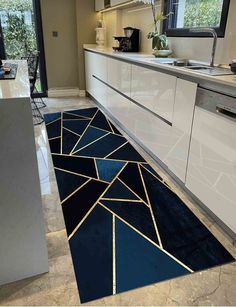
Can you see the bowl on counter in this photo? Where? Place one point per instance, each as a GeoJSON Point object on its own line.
{"type": "Point", "coordinates": [162, 53]}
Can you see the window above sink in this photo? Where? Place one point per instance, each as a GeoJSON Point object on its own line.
{"type": "Point", "coordinates": [195, 14]}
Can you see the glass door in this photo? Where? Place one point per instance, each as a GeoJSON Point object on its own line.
{"type": "Point", "coordinates": [21, 35]}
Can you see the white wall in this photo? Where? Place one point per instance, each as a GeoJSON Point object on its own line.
{"type": "Point", "coordinates": [195, 48]}
{"type": "Point", "coordinates": [61, 51]}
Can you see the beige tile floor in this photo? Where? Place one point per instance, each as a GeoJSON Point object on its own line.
{"type": "Point", "coordinates": [214, 287]}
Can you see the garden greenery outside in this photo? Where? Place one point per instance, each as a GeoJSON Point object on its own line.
{"type": "Point", "coordinates": [17, 20]}
{"type": "Point", "coordinates": [202, 13]}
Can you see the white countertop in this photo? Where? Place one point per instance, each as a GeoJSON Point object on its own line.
{"type": "Point", "coordinates": [147, 59]}
{"type": "Point", "coordinates": [18, 87]}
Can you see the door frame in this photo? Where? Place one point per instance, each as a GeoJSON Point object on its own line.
{"type": "Point", "coordinates": [40, 46]}
{"type": "Point", "coordinates": [40, 43]}
{"type": "Point", "coordinates": [2, 48]}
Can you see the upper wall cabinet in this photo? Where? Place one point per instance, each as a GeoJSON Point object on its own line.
{"type": "Point", "coordinates": [102, 4]}
{"type": "Point", "coordinates": [99, 5]}
{"type": "Point", "coordinates": [117, 2]}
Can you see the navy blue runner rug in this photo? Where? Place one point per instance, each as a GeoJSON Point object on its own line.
{"type": "Point", "coordinates": [126, 227]}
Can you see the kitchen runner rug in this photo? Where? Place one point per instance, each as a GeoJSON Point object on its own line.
{"type": "Point", "coordinates": [126, 227]}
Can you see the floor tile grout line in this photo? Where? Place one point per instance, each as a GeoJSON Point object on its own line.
{"type": "Point", "coordinates": [84, 131]}
{"type": "Point", "coordinates": [150, 207]}
{"type": "Point", "coordinates": [152, 242]}
{"type": "Point", "coordinates": [133, 192]}
{"type": "Point", "coordinates": [77, 151]}
{"type": "Point", "coordinates": [74, 192]}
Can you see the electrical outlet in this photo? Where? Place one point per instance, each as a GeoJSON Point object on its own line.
{"type": "Point", "coordinates": [54, 33]}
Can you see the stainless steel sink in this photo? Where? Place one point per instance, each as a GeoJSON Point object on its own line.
{"type": "Point", "coordinates": [207, 70]}
{"type": "Point", "coordinates": [193, 65]}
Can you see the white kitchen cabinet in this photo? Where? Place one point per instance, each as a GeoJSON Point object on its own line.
{"type": "Point", "coordinates": [99, 5]}
{"type": "Point", "coordinates": [154, 90]}
{"type": "Point", "coordinates": [99, 66]}
{"type": "Point", "coordinates": [89, 72]}
{"type": "Point", "coordinates": [211, 173]}
{"type": "Point", "coordinates": [119, 75]}
{"type": "Point", "coordinates": [96, 66]}
{"type": "Point", "coordinates": [149, 130]}
{"type": "Point", "coordinates": [153, 132]}
{"type": "Point", "coordinates": [185, 98]}
{"type": "Point", "coordinates": [120, 108]}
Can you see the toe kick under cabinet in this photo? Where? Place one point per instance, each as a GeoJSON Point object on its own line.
{"type": "Point", "coordinates": [154, 107]}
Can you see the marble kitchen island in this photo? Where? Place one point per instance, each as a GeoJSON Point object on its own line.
{"type": "Point", "coordinates": [23, 249]}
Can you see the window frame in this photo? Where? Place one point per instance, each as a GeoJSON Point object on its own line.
{"type": "Point", "coordinates": [184, 32]}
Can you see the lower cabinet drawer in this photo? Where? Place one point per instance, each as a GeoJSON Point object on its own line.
{"type": "Point", "coordinates": [99, 91]}
{"type": "Point", "coordinates": [120, 108]}
{"type": "Point", "coordinates": [152, 132]}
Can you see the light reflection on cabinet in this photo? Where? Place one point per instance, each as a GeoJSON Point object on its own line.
{"type": "Point", "coordinates": [154, 90]}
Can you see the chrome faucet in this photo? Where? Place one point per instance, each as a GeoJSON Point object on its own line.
{"type": "Point", "coordinates": [213, 32]}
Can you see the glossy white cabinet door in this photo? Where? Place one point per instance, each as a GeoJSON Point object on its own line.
{"type": "Point", "coordinates": [181, 130]}
{"type": "Point", "coordinates": [211, 173]}
{"type": "Point", "coordinates": [96, 65]}
{"type": "Point", "coordinates": [89, 72]}
{"type": "Point", "coordinates": [154, 133]}
{"type": "Point", "coordinates": [100, 92]}
{"type": "Point", "coordinates": [119, 75]}
{"type": "Point", "coordinates": [99, 63]}
{"type": "Point", "coordinates": [120, 108]}
{"type": "Point", "coordinates": [154, 90]}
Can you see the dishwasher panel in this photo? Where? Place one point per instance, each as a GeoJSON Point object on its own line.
{"type": "Point", "coordinates": [211, 173]}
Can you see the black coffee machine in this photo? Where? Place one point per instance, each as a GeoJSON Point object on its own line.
{"type": "Point", "coordinates": [129, 42]}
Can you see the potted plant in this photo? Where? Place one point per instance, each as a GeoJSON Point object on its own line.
{"type": "Point", "coordinates": [160, 45]}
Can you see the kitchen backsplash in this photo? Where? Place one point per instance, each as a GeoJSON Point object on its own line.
{"type": "Point", "coordinates": [141, 18]}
